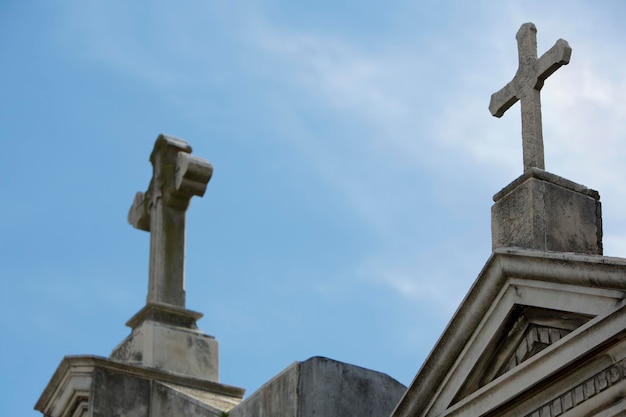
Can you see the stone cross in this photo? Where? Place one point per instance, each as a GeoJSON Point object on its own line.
{"type": "Point", "coordinates": [177, 176]}
{"type": "Point", "coordinates": [526, 85]}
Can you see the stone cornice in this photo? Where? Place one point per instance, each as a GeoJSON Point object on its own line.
{"type": "Point", "coordinates": [582, 392]}
{"type": "Point", "coordinates": [72, 366]}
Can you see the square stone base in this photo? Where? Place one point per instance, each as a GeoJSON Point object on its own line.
{"type": "Point", "coordinates": [167, 338]}
{"type": "Point", "coordinates": [545, 212]}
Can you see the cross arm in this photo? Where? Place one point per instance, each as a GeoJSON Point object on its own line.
{"type": "Point", "coordinates": [139, 214]}
{"type": "Point", "coordinates": [502, 100]}
{"type": "Point", "coordinates": [192, 176]}
{"type": "Point", "coordinates": [552, 60]}
{"type": "Point", "coordinates": [178, 175]}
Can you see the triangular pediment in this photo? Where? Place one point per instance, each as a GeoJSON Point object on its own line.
{"type": "Point", "coordinates": [529, 315]}
{"type": "Point", "coordinates": [524, 333]}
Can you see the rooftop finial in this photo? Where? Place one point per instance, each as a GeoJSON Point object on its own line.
{"type": "Point", "coordinates": [177, 176]}
{"type": "Point", "coordinates": [525, 87]}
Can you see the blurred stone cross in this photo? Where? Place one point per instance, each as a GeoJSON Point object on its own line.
{"type": "Point", "coordinates": [177, 176]}
{"type": "Point", "coordinates": [525, 87]}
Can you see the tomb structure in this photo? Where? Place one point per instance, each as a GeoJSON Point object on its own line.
{"type": "Point", "coordinates": [167, 367]}
{"type": "Point", "coordinates": [542, 331]}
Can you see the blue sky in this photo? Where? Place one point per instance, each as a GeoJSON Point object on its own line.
{"type": "Point", "coordinates": [355, 161]}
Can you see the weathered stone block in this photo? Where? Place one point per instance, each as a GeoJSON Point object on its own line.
{"type": "Point", "coordinates": [167, 338]}
{"type": "Point", "coordinates": [119, 395]}
{"type": "Point", "coordinates": [323, 387]}
{"type": "Point", "coordinates": [545, 212]}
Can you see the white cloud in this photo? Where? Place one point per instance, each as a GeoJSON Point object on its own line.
{"type": "Point", "coordinates": [348, 79]}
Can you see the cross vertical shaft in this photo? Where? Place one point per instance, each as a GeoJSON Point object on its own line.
{"type": "Point", "coordinates": [532, 135]}
{"type": "Point", "coordinates": [167, 260]}
{"type": "Point", "coordinates": [526, 87]}
{"type": "Point", "coordinates": [161, 210]}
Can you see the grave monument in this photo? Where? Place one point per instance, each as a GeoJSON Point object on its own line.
{"type": "Point", "coordinates": [542, 331]}
{"type": "Point", "coordinates": [167, 366]}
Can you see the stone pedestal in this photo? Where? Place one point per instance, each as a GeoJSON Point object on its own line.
{"type": "Point", "coordinates": [543, 211]}
{"type": "Point", "coordinates": [167, 338]}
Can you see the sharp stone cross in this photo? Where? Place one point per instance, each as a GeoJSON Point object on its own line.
{"type": "Point", "coordinates": [161, 210]}
{"type": "Point", "coordinates": [525, 87]}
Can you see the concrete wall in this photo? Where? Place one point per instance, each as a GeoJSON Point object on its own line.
{"type": "Point", "coordinates": [321, 387]}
